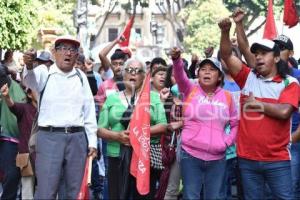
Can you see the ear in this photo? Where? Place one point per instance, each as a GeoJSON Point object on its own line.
{"type": "Point", "coordinates": [277, 59]}
{"type": "Point", "coordinates": [291, 53]}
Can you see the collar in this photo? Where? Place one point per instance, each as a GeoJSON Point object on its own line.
{"type": "Point", "coordinates": [215, 92]}
{"type": "Point", "coordinates": [54, 69]}
{"type": "Point", "coordinates": [277, 78]}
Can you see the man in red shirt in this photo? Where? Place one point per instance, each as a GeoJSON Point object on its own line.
{"type": "Point", "coordinates": [268, 98]}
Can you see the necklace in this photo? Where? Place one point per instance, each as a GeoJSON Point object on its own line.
{"type": "Point", "coordinates": [132, 99]}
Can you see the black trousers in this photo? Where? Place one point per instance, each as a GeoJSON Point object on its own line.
{"type": "Point", "coordinates": [113, 177]}
{"type": "Point", "coordinates": [154, 179]}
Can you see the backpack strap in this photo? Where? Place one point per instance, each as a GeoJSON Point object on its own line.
{"type": "Point", "coordinates": [79, 75]}
{"type": "Point", "coordinates": [189, 98]}
{"type": "Point", "coordinates": [228, 97]}
{"type": "Point", "coordinates": [42, 93]}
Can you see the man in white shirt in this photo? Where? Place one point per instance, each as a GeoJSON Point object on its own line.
{"type": "Point", "coordinates": [67, 122]}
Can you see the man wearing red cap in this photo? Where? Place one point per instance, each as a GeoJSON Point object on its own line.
{"type": "Point", "coordinates": [67, 122]}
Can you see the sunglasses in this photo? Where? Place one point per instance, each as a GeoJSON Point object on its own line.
{"type": "Point", "coordinates": [133, 71]}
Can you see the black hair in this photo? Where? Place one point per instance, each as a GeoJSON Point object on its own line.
{"type": "Point", "coordinates": [283, 69]}
{"type": "Point", "coordinates": [168, 82]}
{"type": "Point", "coordinates": [81, 58]}
{"type": "Point", "coordinates": [293, 62]}
{"type": "Point", "coordinates": [8, 53]}
{"type": "Point", "coordinates": [118, 55]}
{"type": "Point", "coordinates": [157, 60]}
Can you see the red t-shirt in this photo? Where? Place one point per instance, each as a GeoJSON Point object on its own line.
{"type": "Point", "coordinates": [261, 137]}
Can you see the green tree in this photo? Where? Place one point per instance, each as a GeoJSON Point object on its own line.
{"type": "Point", "coordinates": [201, 26]}
{"type": "Point", "coordinates": [254, 9]}
{"type": "Point", "coordinates": [17, 17]}
{"type": "Point", "coordinates": [21, 20]}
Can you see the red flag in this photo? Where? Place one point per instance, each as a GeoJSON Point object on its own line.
{"type": "Point", "coordinates": [86, 180]}
{"type": "Point", "coordinates": [140, 140]}
{"type": "Point", "coordinates": [290, 16]}
{"type": "Point", "coordinates": [270, 31]}
{"type": "Point", "coordinates": [126, 33]}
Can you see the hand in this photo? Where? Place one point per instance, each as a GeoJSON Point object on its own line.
{"type": "Point", "coordinates": [225, 25]}
{"type": "Point", "coordinates": [121, 38]}
{"type": "Point", "coordinates": [88, 65]}
{"type": "Point", "coordinates": [195, 58]}
{"type": "Point", "coordinates": [123, 137]}
{"type": "Point", "coordinates": [238, 15]}
{"type": "Point", "coordinates": [29, 57]}
{"type": "Point", "coordinates": [252, 103]}
{"type": "Point", "coordinates": [209, 52]}
{"type": "Point", "coordinates": [164, 94]}
{"type": "Point", "coordinates": [4, 90]}
{"type": "Point", "coordinates": [174, 126]}
{"type": "Point", "coordinates": [175, 53]}
{"type": "Point", "coordinates": [92, 152]}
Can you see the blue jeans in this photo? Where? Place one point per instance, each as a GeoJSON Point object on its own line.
{"type": "Point", "coordinates": [198, 174]}
{"type": "Point", "coordinates": [295, 164]}
{"type": "Point", "coordinates": [255, 175]}
{"type": "Point", "coordinates": [12, 176]}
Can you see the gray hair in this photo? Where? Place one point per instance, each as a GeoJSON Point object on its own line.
{"type": "Point", "coordinates": [131, 60]}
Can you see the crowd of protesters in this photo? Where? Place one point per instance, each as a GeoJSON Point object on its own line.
{"type": "Point", "coordinates": [224, 127]}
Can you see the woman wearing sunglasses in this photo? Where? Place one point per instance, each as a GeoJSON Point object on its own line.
{"type": "Point", "coordinates": [113, 126]}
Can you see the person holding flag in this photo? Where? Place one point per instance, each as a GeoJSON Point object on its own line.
{"type": "Point", "coordinates": [114, 121]}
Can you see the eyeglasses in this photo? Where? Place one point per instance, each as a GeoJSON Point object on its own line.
{"type": "Point", "coordinates": [133, 71]}
{"type": "Point", "coordinates": [64, 49]}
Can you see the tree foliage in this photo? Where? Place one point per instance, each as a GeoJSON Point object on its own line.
{"type": "Point", "coordinates": [201, 26]}
{"type": "Point", "coordinates": [16, 21]}
{"type": "Point", "coordinates": [254, 9]}
{"type": "Point", "coordinates": [21, 20]}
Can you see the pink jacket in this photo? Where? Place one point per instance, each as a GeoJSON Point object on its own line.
{"type": "Point", "coordinates": [203, 135]}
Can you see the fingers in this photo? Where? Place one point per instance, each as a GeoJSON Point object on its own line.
{"type": "Point", "coordinates": [175, 53]}
{"type": "Point", "coordinates": [225, 24]}
{"type": "Point", "coordinates": [92, 152]}
{"type": "Point", "coordinates": [4, 90]}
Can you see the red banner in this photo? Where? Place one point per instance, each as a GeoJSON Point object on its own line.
{"type": "Point", "coordinates": [270, 31]}
{"type": "Point", "coordinates": [84, 188]}
{"type": "Point", "coordinates": [290, 16]}
{"type": "Point", "coordinates": [140, 140]}
{"type": "Point", "coordinates": [126, 32]}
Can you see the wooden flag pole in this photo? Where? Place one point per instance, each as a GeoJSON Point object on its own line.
{"type": "Point", "coordinates": [90, 160]}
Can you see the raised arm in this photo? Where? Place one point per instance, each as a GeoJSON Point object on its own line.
{"type": "Point", "coordinates": [104, 52]}
{"type": "Point", "coordinates": [5, 94]}
{"type": "Point", "coordinates": [234, 64]}
{"type": "Point", "coordinates": [243, 44]}
{"type": "Point", "coordinates": [181, 78]}
{"type": "Point", "coordinates": [34, 78]}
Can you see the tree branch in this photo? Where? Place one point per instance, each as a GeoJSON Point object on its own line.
{"type": "Point", "coordinates": [256, 29]}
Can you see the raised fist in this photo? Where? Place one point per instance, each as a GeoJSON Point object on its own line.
{"type": "Point", "coordinates": [225, 24]}
{"type": "Point", "coordinates": [29, 57]}
{"type": "Point", "coordinates": [238, 15]}
{"type": "Point", "coordinates": [175, 53]}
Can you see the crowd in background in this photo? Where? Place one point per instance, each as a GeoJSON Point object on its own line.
{"type": "Point", "coordinates": [225, 126]}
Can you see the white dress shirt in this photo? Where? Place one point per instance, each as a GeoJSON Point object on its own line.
{"type": "Point", "coordinates": [66, 100]}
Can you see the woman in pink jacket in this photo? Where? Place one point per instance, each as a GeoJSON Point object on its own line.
{"type": "Point", "coordinates": [208, 109]}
